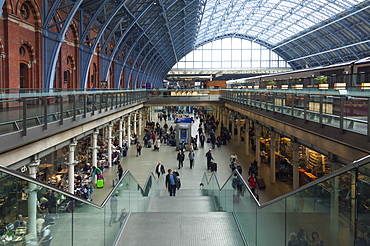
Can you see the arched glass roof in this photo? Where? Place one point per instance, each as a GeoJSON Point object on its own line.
{"type": "Point", "coordinates": [151, 36]}
{"type": "Point", "coordinates": [269, 21]}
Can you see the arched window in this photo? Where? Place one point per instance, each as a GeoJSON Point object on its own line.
{"type": "Point", "coordinates": [231, 53]}
{"type": "Point", "coordinates": [23, 76]}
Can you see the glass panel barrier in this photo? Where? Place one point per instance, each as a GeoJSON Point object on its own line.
{"type": "Point", "coordinates": [332, 210]}
{"type": "Point", "coordinates": [32, 213]}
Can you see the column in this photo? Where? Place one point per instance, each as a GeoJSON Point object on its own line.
{"type": "Point", "coordinates": [124, 128]}
{"type": "Point", "coordinates": [120, 132]}
{"type": "Point", "coordinates": [227, 120]}
{"type": "Point", "coordinates": [32, 198]}
{"type": "Point", "coordinates": [129, 130]}
{"type": "Point", "coordinates": [110, 129]}
{"type": "Point", "coordinates": [233, 126]}
{"type": "Point", "coordinates": [94, 148]}
{"type": "Point", "coordinates": [71, 163]}
{"type": "Point", "coordinates": [135, 121]}
{"type": "Point", "coordinates": [224, 117]}
{"type": "Point", "coordinates": [239, 133]}
{"type": "Point", "coordinates": [257, 134]}
{"type": "Point", "coordinates": [295, 163]}
{"type": "Point", "coordinates": [246, 137]}
{"type": "Point", "coordinates": [140, 123]}
{"type": "Point", "coordinates": [334, 204]}
{"type": "Point", "coordinates": [272, 157]}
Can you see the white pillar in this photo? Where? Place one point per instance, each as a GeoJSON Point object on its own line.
{"type": "Point", "coordinates": [71, 163]}
{"type": "Point", "coordinates": [140, 123]}
{"type": "Point", "coordinates": [295, 165]}
{"type": "Point", "coordinates": [135, 121]}
{"type": "Point", "coordinates": [233, 126]}
{"type": "Point", "coordinates": [272, 157]}
{"type": "Point", "coordinates": [257, 133]}
{"type": "Point", "coordinates": [120, 132]}
{"type": "Point", "coordinates": [246, 137]}
{"type": "Point", "coordinates": [32, 199]}
{"type": "Point", "coordinates": [124, 128]}
{"type": "Point", "coordinates": [94, 148]}
{"type": "Point", "coordinates": [129, 130]}
{"type": "Point", "coordinates": [110, 128]}
{"type": "Point", "coordinates": [227, 120]}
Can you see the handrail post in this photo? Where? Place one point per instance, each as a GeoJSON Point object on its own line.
{"type": "Point", "coordinates": [24, 113]}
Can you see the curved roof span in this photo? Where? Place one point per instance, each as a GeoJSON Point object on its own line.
{"type": "Point", "coordinates": [306, 33]}
{"type": "Point", "coordinates": [150, 36]}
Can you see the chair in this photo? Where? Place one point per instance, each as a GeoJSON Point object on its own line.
{"type": "Point", "coordinates": [64, 206]}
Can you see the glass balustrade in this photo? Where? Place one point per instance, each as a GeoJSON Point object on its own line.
{"type": "Point", "coordinates": [336, 207]}
{"type": "Point", "coordinates": [30, 210]}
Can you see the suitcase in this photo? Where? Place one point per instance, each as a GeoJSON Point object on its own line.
{"type": "Point", "coordinates": [100, 183]}
{"type": "Point", "coordinates": [149, 144]}
{"type": "Point", "coordinates": [261, 183]}
{"type": "Point", "coordinates": [115, 182]}
{"type": "Point", "coordinates": [213, 167]}
{"type": "Point", "coordinates": [208, 140]}
{"type": "Point", "coordinates": [124, 152]}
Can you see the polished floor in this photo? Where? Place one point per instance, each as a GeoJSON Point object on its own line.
{"type": "Point", "coordinates": [141, 166]}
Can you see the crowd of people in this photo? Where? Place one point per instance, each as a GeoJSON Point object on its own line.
{"type": "Point", "coordinates": [302, 239]}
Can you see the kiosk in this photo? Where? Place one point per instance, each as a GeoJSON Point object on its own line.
{"type": "Point", "coordinates": [183, 131]}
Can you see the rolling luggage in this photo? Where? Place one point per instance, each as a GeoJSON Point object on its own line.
{"type": "Point", "coordinates": [149, 144]}
{"type": "Point", "coordinates": [213, 167]}
{"type": "Point", "coordinates": [261, 183]}
{"type": "Point", "coordinates": [208, 140]}
{"type": "Point", "coordinates": [100, 183]}
{"type": "Point", "coordinates": [115, 182]}
{"type": "Point", "coordinates": [124, 152]}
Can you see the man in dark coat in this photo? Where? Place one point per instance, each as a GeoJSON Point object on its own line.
{"type": "Point", "coordinates": [209, 159]}
{"type": "Point", "coordinates": [159, 169]}
{"type": "Point", "coordinates": [171, 182]}
{"type": "Point", "coordinates": [181, 158]}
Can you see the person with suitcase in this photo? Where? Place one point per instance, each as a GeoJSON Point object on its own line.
{"type": "Point", "coordinates": [252, 182]}
{"type": "Point", "coordinates": [209, 159]}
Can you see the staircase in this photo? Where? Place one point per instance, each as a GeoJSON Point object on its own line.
{"type": "Point", "coordinates": [187, 219]}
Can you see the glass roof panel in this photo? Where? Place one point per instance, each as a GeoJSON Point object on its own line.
{"type": "Point", "coordinates": [270, 21]}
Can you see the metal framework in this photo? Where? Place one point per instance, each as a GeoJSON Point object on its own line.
{"type": "Point", "coordinates": [144, 39]}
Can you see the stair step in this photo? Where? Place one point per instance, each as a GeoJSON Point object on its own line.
{"type": "Point", "coordinates": [182, 204]}
{"type": "Point", "coordinates": [182, 229]}
{"type": "Point", "coordinates": [183, 192]}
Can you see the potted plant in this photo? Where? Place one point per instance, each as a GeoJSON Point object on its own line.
{"type": "Point", "coordinates": [322, 80]}
{"type": "Point", "coordinates": [271, 84]}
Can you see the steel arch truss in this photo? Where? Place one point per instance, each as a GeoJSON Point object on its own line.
{"type": "Point", "coordinates": [305, 33]}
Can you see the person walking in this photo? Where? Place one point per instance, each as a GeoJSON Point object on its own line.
{"type": "Point", "coordinates": [209, 159]}
{"type": "Point", "coordinates": [181, 158]}
{"type": "Point", "coordinates": [45, 235]}
{"type": "Point", "coordinates": [191, 158]}
{"type": "Point", "coordinates": [202, 138]}
{"type": "Point", "coordinates": [171, 182]}
{"type": "Point", "coordinates": [157, 144]}
{"type": "Point", "coordinates": [138, 149]}
{"type": "Point", "coordinates": [159, 169]}
{"type": "Point", "coordinates": [113, 209]}
{"type": "Point", "coordinates": [120, 171]}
